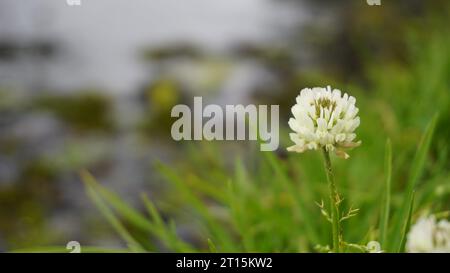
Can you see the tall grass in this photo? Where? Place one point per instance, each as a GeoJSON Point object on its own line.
{"type": "Point", "coordinates": [270, 210]}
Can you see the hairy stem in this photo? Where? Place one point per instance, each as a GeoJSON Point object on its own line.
{"type": "Point", "coordinates": [334, 200]}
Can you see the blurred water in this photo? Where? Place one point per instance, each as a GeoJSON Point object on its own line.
{"type": "Point", "coordinates": [98, 41]}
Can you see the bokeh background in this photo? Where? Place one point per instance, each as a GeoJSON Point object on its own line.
{"type": "Point", "coordinates": [91, 87]}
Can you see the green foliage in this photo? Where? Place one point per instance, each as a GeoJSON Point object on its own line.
{"type": "Point", "coordinates": [415, 174]}
{"type": "Point", "coordinates": [266, 202]}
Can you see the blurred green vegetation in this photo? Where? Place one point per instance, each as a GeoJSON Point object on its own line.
{"type": "Point", "coordinates": [85, 111]}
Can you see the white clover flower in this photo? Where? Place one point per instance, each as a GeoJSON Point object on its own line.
{"type": "Point", "coordinates": [324, 119]}
{"type": "Point", "coordinates": [427, 235]}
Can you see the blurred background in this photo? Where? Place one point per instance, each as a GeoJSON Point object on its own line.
{"type": "Point", "coordinates": [91, 87]}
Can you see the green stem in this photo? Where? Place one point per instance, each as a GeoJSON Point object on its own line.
{"type": "Point", "coordinates": [334, 200]}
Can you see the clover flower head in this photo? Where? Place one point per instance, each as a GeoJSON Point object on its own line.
{"type": "Point", "coordinates": [324, 118]}
{"type": "Point", "coordinates": [428, 235]}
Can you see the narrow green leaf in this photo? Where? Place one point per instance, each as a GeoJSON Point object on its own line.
{"type": "Point", "coordinates": [407, 225]}
{"type": "Point", "coordinates": [207, 188]}
{"type": "Point", "coordinates": [108, 214]}
{"type": "Point", "coordinates": [420, 157]}
{"type": "Point", "coordinates": [238, 194]}
{"type": "Point", "coordinates": [156, 217]}
{"type": "Point", "coordinates": [163, 232]}
{"type": "Point", "coordinates": [127, 212]}
{"type": "Point", "coordinates": [212, 247]}
{"type": "Point", "coordinates": [384, 220]}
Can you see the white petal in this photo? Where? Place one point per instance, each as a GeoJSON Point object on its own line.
{"type": "Point", "coordinates": [338, 127]}
{"type": "Point", "coordinates": [293, 123]}
{"type": "Point", "coordinates": [340, 137]}
{"type": "Point", "coordinates": [296, 139]}
{"type": "Point", "coordinates": [321, 125]}
{"type": "Point", "coordinates": [306, 121]}
{"type": "Point", "coordinates": [350, 137]}
{"type": "Point", "coordinates": [296, 148]}
{"type": "Point", "coordinates": [355, 124]}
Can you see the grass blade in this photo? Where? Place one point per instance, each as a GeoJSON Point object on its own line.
{"type": "Point", "coordinates": [108, 214]}
{"type": "Point", "coordinates": [407, 225]}
{"type": "Point", "coordinates": [212, 247]}
{"type": "Point", "coordinates": [127, 212]}
{"type": "Point", "coordinates": [420, 157]}
{"type": "Point", "coordinates": [384, 220]}
{"type": "Point", "coordinates": [170, 239]}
